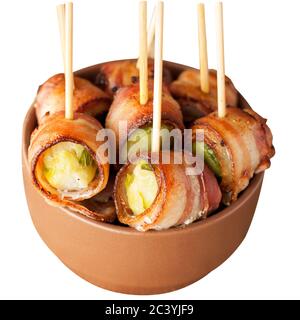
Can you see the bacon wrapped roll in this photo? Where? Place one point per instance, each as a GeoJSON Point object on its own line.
{"type": "Point", "coordinates": [118, 74]}
{"type": "Point", "coordinates": [64, 163]}
{"type": "Point", "coordinates": [88, 98]}
{"type": "Point", "coordinates": [161, 196]}
{"type": "Point", "coordinates": [195, 103]}
{"type": "Point", "coordinates": [101, 207]}
{"type": "Point", "coordinates": [126, 106]}
{"type": "Point", "coordinates": [236, 147]}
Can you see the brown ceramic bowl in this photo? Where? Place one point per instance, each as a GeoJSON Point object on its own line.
{"type": "Point", "coordinates": [124, 260]}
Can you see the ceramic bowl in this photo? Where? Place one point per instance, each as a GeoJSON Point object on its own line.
{"type": "Point", "coordinates": [124, 260]}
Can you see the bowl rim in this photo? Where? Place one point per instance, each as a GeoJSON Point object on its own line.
{"type": "Point", "coordinates": [254, 184]}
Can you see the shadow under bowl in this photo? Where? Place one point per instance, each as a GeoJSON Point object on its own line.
{"type": "Point", "coordinates": [124, 260]}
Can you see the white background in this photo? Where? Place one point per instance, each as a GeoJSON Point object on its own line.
{"type": "Point", "coordinates": [262, 58]}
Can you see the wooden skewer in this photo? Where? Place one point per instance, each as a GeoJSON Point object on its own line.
{"type": "Point", "coordinates": [221, 62]}
{"type": "Point", "coordinates": [158, 76]}
{"type": "Point", "coordinates": [143, 54]}
{"type": "Point", "coordinates": [204, 72]}
{"type": "Point", "coordinates": [69, 77]}
{"type": "Point", "coordinates": [150, 38]}
{"type": "Point", "coordinates": [151, 35]}
{"type": "Point", "coordinates": [61, 15]}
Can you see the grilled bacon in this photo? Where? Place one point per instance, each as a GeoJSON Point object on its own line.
{"type": "Point", "coordinates": [118, 74]}
{"type": "Point", "coordinates": [101, 207]}
{"type": "Point", "coordinates": [82, 131]}
{"type": "Point", "coordinates": [126, 106]}
{"type": "Point", "coordinates": [88, 98]}
{"type": "Point", "coordinates": [181, 198]}
{"type": "Point", "coordinates": [242, 143]}
{"type": "Point", "coordinates": [195, 103]}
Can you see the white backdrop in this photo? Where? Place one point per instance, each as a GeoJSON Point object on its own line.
{"type": "Point", "coordinates": [262, 58]}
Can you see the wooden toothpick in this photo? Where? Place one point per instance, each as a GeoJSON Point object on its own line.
{"type": "Point", "coordinates": [69, 77]}
{"type": "Point", "coordinates": [61, 16]}
{"type": "Point", "coordinates": [221, 62]}
{"type": "Point", "coordinates": [204, 72]}
{"type": "Point", "coordinates": [158, 77]}
{"type": "Point", "coordinates": [150, 38]}
{"type": "Point", "coordinates": [143, 54]}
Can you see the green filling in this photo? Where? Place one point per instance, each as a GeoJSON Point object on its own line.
{"type": "Point", "coordinates": [85, 159]}
{"type": "Point", "coordinates": [140, 140]}
{"type": "Point", "coordinates": [141, 188]}
{"type": "Point", "coordinates": [209, 157]}
{"type": "Point", "coordinates": [68, 166]}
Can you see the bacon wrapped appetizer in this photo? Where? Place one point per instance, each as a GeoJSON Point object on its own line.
{"type": "Point", "coordinates": [101, 207]}
{"type": "Point", "coordinates": [118, 74]}
{"type": "Point", "coordinates": [194, 102]}
{"type": "Point", "coordinates": [236, 147]}
{"type": "Point", "coordinates": [126, 106]}
{"type": "Point", "coordinates": [64, 163]}
{"type": "Point", "coordinates": [161, 196]}
{"type": "Point", "coordinates": [88, 98]}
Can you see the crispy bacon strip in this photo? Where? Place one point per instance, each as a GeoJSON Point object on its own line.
{"type": "Point", "coordinates": [195, 103]}
{"type": "Point", "coordinates": [88, 98]}
{"type": "Point", "coordinates": [93, 209]}
{"type": "Point", "coordinates": [82, 130]}
{"type": "Point", "coordinates": [126, 106]}
{"type": "Point", "coordinates": [181, 199]}
{"type": "Point", "coordinates": [100, 208]}
{"type": "Point", "coordinates": [242, 143]}
{"type": "Point", "coordinates": [118, 74]}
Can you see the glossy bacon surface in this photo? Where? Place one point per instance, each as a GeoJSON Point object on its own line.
{"type": "Point", "coordinates": [194, 102]}
{"type": "Point", "coordinates": [126, 106]}
{"type": "Point", "coordinates": [242, 143]}
{"type": "Point", "coordinates": [118, 74]}
{"type": "Point", "coordinates": [88, 98]}
{"type": "Point", "coordinates": [181, 198]}
{"type": "Point", "coordinates": [101, 207]}
{"type": "Point", "coordinates": [82, 130]}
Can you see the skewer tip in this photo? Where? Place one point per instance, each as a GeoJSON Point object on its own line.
{"type": "Point", "coordinates": [203, 56]}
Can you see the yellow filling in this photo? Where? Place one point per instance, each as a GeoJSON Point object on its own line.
{"type": "Point", "coordinates": [141, 188]}
{"type": "Point", "coordinates": [68, 166]}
